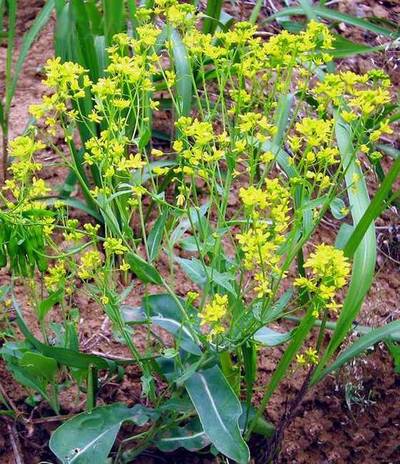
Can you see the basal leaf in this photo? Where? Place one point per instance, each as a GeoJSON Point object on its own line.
{"type": "Point", "coordinates": [219, 410]}
{"type": "Point", "coordinates": [88, 437]}
{"type": "Point", "coordinates": [191, 437]}
{"type": "Point", "coordinates": [143, 270]}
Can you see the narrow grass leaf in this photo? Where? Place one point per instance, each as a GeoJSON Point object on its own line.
{"type": "Point", "coordinates": [365, 254]}
{"type": "Point", "coordinates": [375, 208]}
{"type": "Point", "coordinates": [30, 36]}
{"type": "Point", "coordinates": [156, 235]}
{"type": "Point", "coordinates": [335, 15]}
{"type": "Point", "coordinates": [212, 15]}
{"type": "Point", "coordinates": [183, 73]}
{"type": "Point", "coordinates": [359, 346]}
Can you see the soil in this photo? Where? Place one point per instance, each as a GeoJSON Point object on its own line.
{"type": "Point", "coordinates": [351, 418]}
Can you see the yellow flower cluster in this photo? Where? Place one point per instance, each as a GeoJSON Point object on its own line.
{"type": "Point", "coordinates": [329, 273]}
{"type": "Point", "coordinates": [55, 277]}
{"type": "Point", "coordinates": [114, 246]}
{"type": "Point", "coordinates": [308, 358]}
{"type": "Point", "coordinates": [268, 216]}
{"type": "Point", "coordinates": [91, 261]}
{"type": "Point", "coordinates": [358, 95]}
{"type": "Point", "coordinates": [213, 315]}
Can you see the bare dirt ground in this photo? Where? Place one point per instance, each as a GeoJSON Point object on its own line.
{"type": "Point", "coordinates": [351, 418]}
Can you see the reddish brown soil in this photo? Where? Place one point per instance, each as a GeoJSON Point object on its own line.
{"type": "Point", "coordinates": [328, 429]}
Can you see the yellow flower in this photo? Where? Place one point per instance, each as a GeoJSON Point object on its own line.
{"type": "Point", "coordinates": [124, 266]}
{"type": "Point", "coordinates": [329, 272]}
{"type": "Point", "coordinates": [213, 314]}
{"type": "Point", "coordinates": [55, 276]}
{"type": "Point", "coordinates": [90, 262]}
{"type": "Point", "coordinates": [114, 246]}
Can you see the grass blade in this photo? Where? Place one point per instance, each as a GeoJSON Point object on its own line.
{"type": "Point", "coordinates": [375, 208]}
{"type": "Point", "coordinates": [113, 18]}
{"type": "Point", "coordinates": [213, 13]}
{"type": "Point", "coordinates": [360, 345]}
{"type": "Point", "coordinates": [38, 24]}
{"type": "Point", "coordinates": [334, 15]}
{"type": "Point", "coordinates": [183, 72]}
{"type": "Point", "coordinates": [308, 9]}
{"type": "Point", "coordinates": [365, 255]}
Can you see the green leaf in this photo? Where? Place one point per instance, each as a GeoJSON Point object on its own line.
{"type": "Point", "coordinates": [359, 346]}
{"type": "Point", "coordinates": [219, 411]}
{"type": "Point", "coordinates": [75, 203]}
{"type": "Point", "coordinates": [375, 208]}
{"type": "Point", "coordinates": [335, 15]}
{"type": "Point", "coordinates": [270, 337]}
{"type": "Point", "coordinates": [32, 370]}
{"type": "Point", "coordinates": [85, 38]}
{"type": "Point", "coordinates": [191, 437]}
{"type": "Point", "coordinates": [46, 304]}
{"type": "Point", "coordinates": [201, 274]}
{"type": "Point", "coordinates": [113, 17]}
{"type": "Point", "coordinates": [143, 270]}
{"type": "Point", "coordinates": [194, 269]}
{"type": "Point", "coordinates": [308, 9]}
{"type": "Point", "coordinates": [88, 437]}
{"type": "Point", "coordinates": [156, 235]}
{"type": "Point", "coordinates": [183, 73]}
{"type": "Point", "coordinates": [63, 356]}
{"type": "Point", "coordinates": [365, 254]}
{"type": "Point", "coordinates": [39, 365]}
{"type": "Point", "coordinates": [344, 48]}
{"type": "Point", "coordinates": [337, 206]}
{"type": "Point", "coordinates": [27, 41]}
{"type": "Point", "coordinates": [212, 15]}
{"type": "Point", "coordinates": [163, 311]}
{"type": "Point", "coordinates": [195, 216]}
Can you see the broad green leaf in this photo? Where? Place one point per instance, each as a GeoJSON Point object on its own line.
{"type": "Point", "coordinates": [85, 38]}
{"type": "Point", "coordinates": [360, 345]}
{"type": "Point", "coordinates": [201, 274]}
{"type": "Point", "coordinates": [219, 411]}
{"type": "Point", "coordinates": [143, 270]}
{"type": "Point", "coordinates": [75, 203]}
{"type": "Point", "coordinates": [194, 269]}
{"type": "Point", "coordinates": [365, 255]}
{"type": "Point", "coordinates": [343, 236]}
{"type": "Point", "coordinates": [163, 311]}
{"type": "Point", "coordinates": [270, 337]}
{"type": "Point", "coordinates": [88, 437]}
{"type": "Point", "coordinates": [308, 9]}
{"type": "Point", "coordinates": [32, 370]}
{"type": "Point", "coordinates": [46, 304]}
{"type": "Point", "coordinates": [39, 365]}
{"type": "Point", "coordinates": [191, 437]}
{"type": "Point", "coordinates": [156, 235]}
{"type": "Point", "coordinates": [185, 224]}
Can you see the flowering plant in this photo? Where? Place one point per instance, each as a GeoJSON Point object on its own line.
{"type": "Point", "coordinates": [264, 143]}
